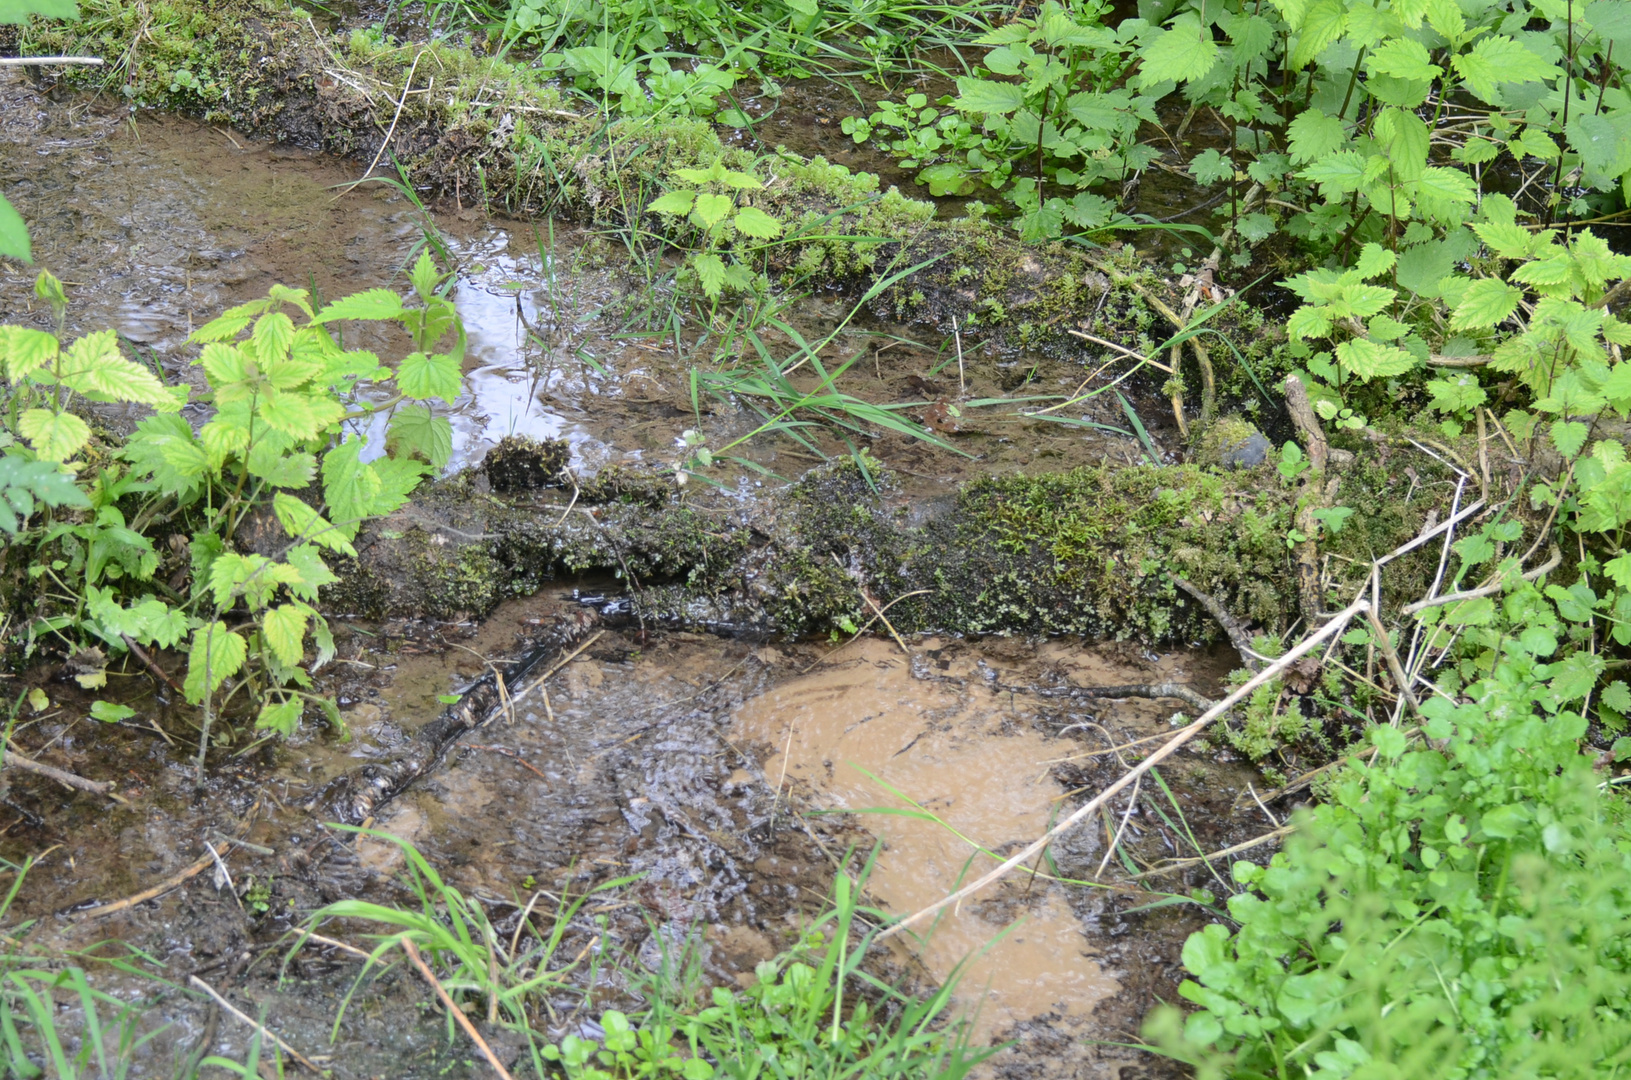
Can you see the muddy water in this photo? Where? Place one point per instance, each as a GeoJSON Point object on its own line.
{"type": "Point", "coordinates": [159, 223]}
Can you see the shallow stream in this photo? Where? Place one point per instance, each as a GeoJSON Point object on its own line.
{"type": "Point", "coordinates": [729, 777]}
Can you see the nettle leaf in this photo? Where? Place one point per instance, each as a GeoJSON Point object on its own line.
{"type": "Point", "coordinates": [13, 232]}
{"type": "Point", "coordinates": [397, 479]}
{"type": "Point", "coordinates": [224, 366]}
{"type": "Point", "coordinates": [1603, 142]}
{"type": "Point", "coordinates": [677, 203]}
{"type": "Point", "coordinates": [710, 270]}
{"type": "Point", "coordinates": [165, 448]}
{"type": "Point", "coordinates": [54, 436]}
{"type": "Point", "coordinates": [349, 487]}
{"type": "Point", "coordinates": [93, 366]}
{"type": "Point", "coordinates": [1323, 23]}
{"type": "Point", "coordinates": [1312, 135]}
{"type": "Point", "coordinates": [1211, 167]}
{"type": "Point", "coordinates": [23, 350]}
{"type": "Point", "coordinates": [1183, 52]}
{"type": "Point", "coordinates": [272, 337]}
{"type": "Point", "coordinates": [370, 304]}
{"type": "Point", "coordinates": [1459, 394]}
{"type": "Point", "coordinates": [1309, 322]}
{"type": "Point", "coordinates": [416, 430]}
{"type": "Point", "coordinates": [301, 522]}
{"type": "Point", "coordinates": [1612, 21]}
{"type": "Point", "coordinates": [1484, 304]}
{"type": "Point", "coordinates": [985, 96]}
{"type": "Point", "coordinates": [423, 277]}
{"type": "Point", "coordinates": [300, 416]}
{"type": "Point", "coordinates": [282, 718]}
{"type": "Point", "coordinates": [1505, 238]}
{"type": "Point", "coordinates": [1368, 360]}
{"type": "Point", "coordinates": [283, 628]}
{"type": "Point", "coordinates": [216, 655]}
{"type": "Point", "coordinates": [751, 221]}
{"type": "Point", "coordinates": [1499, 59]}
{"type": "Point", "coordinates": [1374, 260]}
{"type": "Point", "coordinates": [430, 376]}
{"type": "Point", "coordinates": [311, 573]}
{"type": "Point", "coordinates": [1404, 58]}
{"type": "Point", "coordinates": [711, 209]}
{"type": "Point", "coordinates": [1339, 173]}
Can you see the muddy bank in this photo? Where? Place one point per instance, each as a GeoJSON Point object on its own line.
{"type": "Point", "coordinates": [685, 761]}
{"type": "Point", "coordinates": [491, 132]}
{"type": "Point", "coordinates": [1093, 551]}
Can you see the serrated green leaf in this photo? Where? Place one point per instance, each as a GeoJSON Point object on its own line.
{"type": "Point", "coordinates": [430, 376]}
{"type": "Point", "coordinates": [1506, 239]}
{"type": "Point", "coordinates": [416, 430]}
{"type": "Point", "coordinates": [311, 572]}
{"type": "Point", "coordinates": [370, 304]}
{"type": "Point", "coordinates": [23, 350]}
{"type": "Point", "coordinates": [1374, 260]}
{"type": "Point", "coordinates": [751, 221]}
{"type": "Point", "coordinates": [1312, 135]}
{"type": "Point", "coordinates": [300, 416]}
{"type": "Point", "coordinates": [423, 277]}
{"type": "Point", "coordinates": [54, 436]}
{"type": "Point", "coordinates": [985, 96]}
{"type": "Point", "coordinates": [349, 487]}
{"type": "Point", "coordinates": [677, 203]}
{"type": "Point", "coordinates": [272, 337]}
{"type": "Point", "coordinates": [398, 477]}
{"type": "Point", "coordinates": [216, 655]}
{"type": "Point", "coordinates": [282, 718]}
{"type": "Point", "coordinates": [301, 522]}
{"type": "Point", "coordinates": [710, 270]}
{"type": "Point", "coordinates": [710, 209]}
{"type": "Point", "coordinates": [283, 628]}
{"type": "Point", "coordinates": [1484, 304]}
{"type": "Point", "coordinates": [1323, 23]}
{"type": "Point", "coordinates": [165, 448]}
{"type": "Point", "coordinates": [1403, 58]}
{"type": "Point", "coordinates": [1499, 59]}
{"type": "Point", "coordinates": [93, 366]}
{"type": "Point", "coordinates": [1368, 360]}
{"type": "Point", "coordinates": [1183, 52]}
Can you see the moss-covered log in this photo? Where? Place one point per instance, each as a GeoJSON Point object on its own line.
{"type": "Point", "coordinates": [1091, 551]}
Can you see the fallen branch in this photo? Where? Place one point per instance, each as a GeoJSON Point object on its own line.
{"type": "Point", "coordinates": [1238, 637]}
{"type": "Point", "coordinates": [1487, 590]}
{"type": "Point", "coordinates": [259, 1027]}
{"type": "Point", "coordinates": [152, 665]}
{"type": "Point", "coordinates": [1303, 648]}
{"type": "Point", "coordinates": [40, 61]}
{"type": "Point", "coordinates": [67, 779]}
{"type": "Point", "coordinates": [1179, 864]}
{"type": "Point", "coordinates": [1131, 690]}
{"type": "Point", "coordinates": [457, 1013]}
{"type": "Point", "coordinates": [147, 894]}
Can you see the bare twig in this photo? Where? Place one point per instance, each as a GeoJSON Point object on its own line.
{"type": "Point", "coordinates": [407, 86]}
{"type": "Point", "coordinates": [148, 662]}
{"type": "Point", "coordinates": [1172, 745]}
{"type": "Point", "coordinates": [1238, 637]}
{"type": "Point", "coordinates": [453, 1010]}
{"type": "Point", "coordinates": [147, 894]}
{"type": "Point", "coordinates": [41, 61]}
{"type": "Point", "coordinates": [1546, 567]}
{"type": "Point", "coordinates": [1179, 864]}
{"type": "Point", "coordinates": [67, 779]}
{"type": "Point", "coordinates": [1140, 357]}
{"type": "Point", "coordinates": [1132, 690]}
{"type": "Point", "coordinates": [257, 1025]}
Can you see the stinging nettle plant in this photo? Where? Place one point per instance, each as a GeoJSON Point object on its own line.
{"type": "Point", "coordinates": [284, 394]}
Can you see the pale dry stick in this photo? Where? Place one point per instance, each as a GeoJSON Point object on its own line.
{"type": "Point", "coordinates": [147, 894]}
{"type": "Point", "coordinates": [498, 679]}
{"type": "Point", "coordinates": [1101, 753]}
{"type": "Point", "coordinates": [223, 874]}
{"type": "Point", "coordinates": [515, 698]}
{"type": "Point", "coordinates": [67, 779]}
{"type": "Point", "coordinates": [824, 657]}
{"type": "Point", "coordinates": [1448, 523]}
{"type": "Point", "coordinates": [1166, 750]}
{"type": "Point", "coordinates": [265, 1032]}
{"type": "Point", "coordinates": [521, 923]}
{"type": "Point", "coordinates": [41, 61]}
{"type": "Point", "coordinates": [447, 1002]}
{"type": "Point", "coordinates": [1140, 357]}
{"type": "Point", "coordinates": [957, 336]}
{"type": "Point", "coordinates": [877, 611]}
{"type": "Point", "coordinates": [1546, 567]}
{"type": "Point", "coordinates": [342, 946]}
{"type": "Point", "coordinates": [1401, 682]}
{"type": "Point", "coordinates": [1180, 864]}
{"type": "Point", "coordinates": [1132, 801]}
{"type": "Point", "coordinates": [390, 134]}
{"type": "Point", "coordinates": [1266, 812]}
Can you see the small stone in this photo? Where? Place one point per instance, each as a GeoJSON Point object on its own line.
{"type": "Point", "coordinates": [1249, 453]}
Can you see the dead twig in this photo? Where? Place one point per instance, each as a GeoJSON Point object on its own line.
{"type": "Point", "coordinates": [1132, 690]}
{"type": "Point", "coordinates": [67, 779]}
{"type": "Point", "coordinates": [147, 894]}
{"type": "Point", "coordinates": [265, 1032]}
{"type": "Point", "coordinates": [1179, 864]}
{"type": "Point", "coordinates": [1238, 635]}
{"type": "Point", "coordinates": [1546, 567]}
{"type": "Point", "coordinates": [453, 1010]}
{"type": "Point", "coordinates": [1170, 747]}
